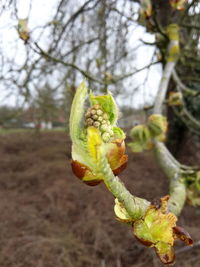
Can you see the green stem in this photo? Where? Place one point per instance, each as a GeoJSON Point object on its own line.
{"type": "Point", "coordinates": [172, 171]}
{"type": "Point", "coordinates": [177, 196]}
{"type": "Point", "coordinates": [135, 206]}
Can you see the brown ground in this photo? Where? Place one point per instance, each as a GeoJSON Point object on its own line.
{"type": "Point", "coordinates": [50, 219]}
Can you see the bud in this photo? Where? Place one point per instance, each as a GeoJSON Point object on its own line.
{"type": "Point", "coordinates": [93, 111]}
{"type": "Point", "coordinates": [157, 125]}
{"type": "Point", "coordinates": [158, 229]}
{"type": "Point", "coordinates": [95, 117]}
{"type": "Point", "coordinates": [89, 122]}
{"type": "Point", "coordinates": [175, 99]}
{"type": "Point", "coordinates": [104, 128]}
{"type": "Point", "coordinates": [178, 4]}
{"type": "Point", "coordinates": [100, 118]}
{"type": "Point", "coordinates": [141, 138]}
{"type": "Point", "coordinates": [96, 124]}
{"type": "Point", "coordinates": [23, 30]}
{"type": "Point", "coordinates": [99, 112]}
{"type": "Point", "coordinates": [99, 137]}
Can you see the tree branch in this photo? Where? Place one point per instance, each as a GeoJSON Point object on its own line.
{"type": "Point", "coordinates": [87, 74]}
{"type": "Point", "coordinates": [162, 90]}
{"type": "Point", "coordinates": [182, 85]}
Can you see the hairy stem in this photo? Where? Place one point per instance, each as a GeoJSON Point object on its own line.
{"type": "Point", "coordinates": [177, 195]}
{"type": "Point", "coordinates": [135, 206]}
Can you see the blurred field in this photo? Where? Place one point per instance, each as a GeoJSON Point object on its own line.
{"type": "Point", "coordinates": [50, 219]}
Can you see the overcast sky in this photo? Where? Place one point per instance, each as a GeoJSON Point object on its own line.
{"type": "Point", "coordinates": [41, 13]}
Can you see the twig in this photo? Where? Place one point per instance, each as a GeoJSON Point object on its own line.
{"type": "Point", "coordinates": [162, 90]}
{"type": "Point", "coordinates": [85, 73]}
{"type": "Point", "coordinates": [182, 85]}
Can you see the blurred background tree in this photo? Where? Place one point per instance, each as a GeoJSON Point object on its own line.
{"type": "Point", "coordinates": [121, 46]}
{"type": "Point", "coordinates": [118, 46]}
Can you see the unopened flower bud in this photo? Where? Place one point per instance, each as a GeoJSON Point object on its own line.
{"type": "Point", "coordinates": [93, 111]}
{"type": "Point", "coordinates": [103, 128]}
{"type": "Point", "coordinates": [103, 122]}
{"type": "Point", "coordinates": [109, 128]}
{"type": "Point", "coordinates": [99, 112]}
{"type": "Point", "coordinates": [96, 124]}
{"type": "Point", "coordinates": [89, 122]}
{"type": "Point", "coordinates": [88, 114]}
{"type": "Point", "coordinates": [100, 118]}
{"type": "Point", "coordinates": [95, 117]}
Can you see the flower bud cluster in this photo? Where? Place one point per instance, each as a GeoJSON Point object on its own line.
{"type": "Point", "coordinates": [97, 118]}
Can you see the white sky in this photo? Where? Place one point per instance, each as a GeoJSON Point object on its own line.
{"type": "Point", "coordinates": [41, 12]}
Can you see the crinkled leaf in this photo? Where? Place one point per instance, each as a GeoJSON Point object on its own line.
{"type": "Point", "coordinates": [119, 133]}
{"type": "Point", "coordinates": [165, 252]}
{"type": "Point", "coordinates": [155, 229]}
{"type": "Point", "coordinates": [159, 226]}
